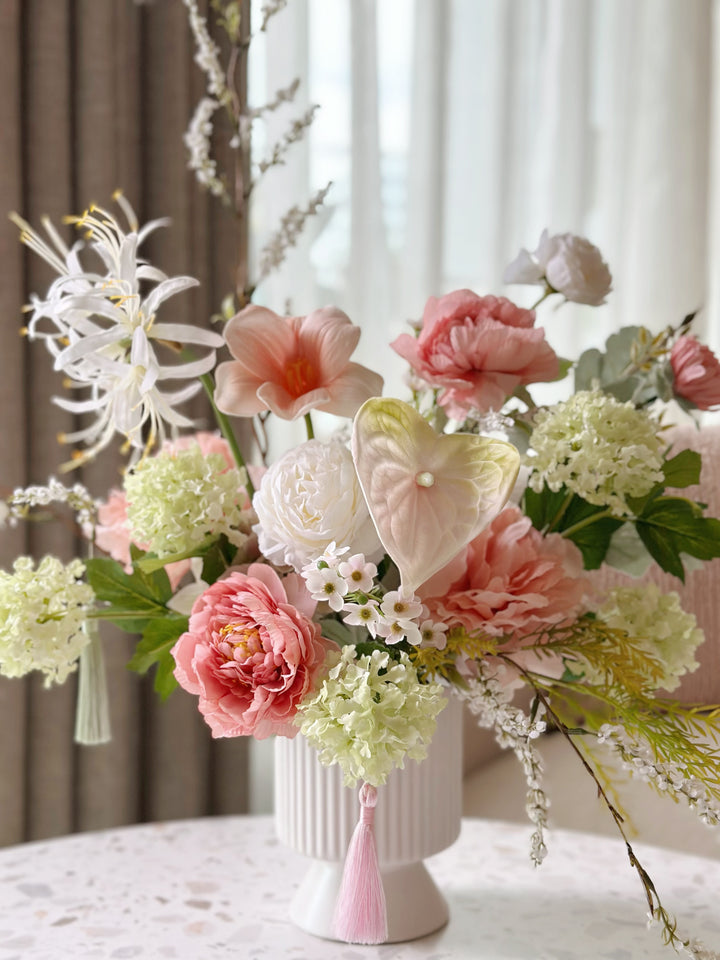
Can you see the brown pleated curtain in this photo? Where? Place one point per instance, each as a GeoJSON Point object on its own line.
{"type": "Point", "coordinates": [96, 95]}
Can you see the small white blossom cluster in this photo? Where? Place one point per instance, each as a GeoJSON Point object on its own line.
{"type": "Point", "coordinates": [293, 135]}
{"type": "Point", "coordinates": [348, 586]}
{"type": "Point", "coordinates": [603, 450]}
{"type": "Point", "coordinates": [488, 700]}
{"type": "Point", "coordinates": [698, 951]}
{"type": "Point", "coordinates": [292, 224]}
{"type": "Point", "coordinates": [269, 9]}
{"type": "Point", "coordinates": [207, 55]}
{"type": "Point", "coordinates": [177, 499]}
{"type": "Point", "coordinates": [658, 623]}
{"type": "Point", "coordinates": [638, 760]}
{"type": "Point", "coordinates": [76, 497]}
{"type": "Point", "coordinates": [42, 616]}
{"type": "Point", "coordinates": [197, 140]}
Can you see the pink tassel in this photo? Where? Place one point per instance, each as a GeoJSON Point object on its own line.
{"type": "Point", "coordinates": [360, 911]}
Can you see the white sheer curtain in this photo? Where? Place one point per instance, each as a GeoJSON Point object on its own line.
{"type": "Point", "coordinates": [456, 130]}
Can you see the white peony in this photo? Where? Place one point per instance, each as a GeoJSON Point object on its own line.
{"type": "Point", "coordinates": [570, 265]}
{"type": "Point", "coordinates": [308, 499]}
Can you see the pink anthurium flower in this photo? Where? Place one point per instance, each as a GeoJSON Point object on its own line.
{"type": "Point", "coordinates": [428, 494]}
{"type": "Point", "coordinates": [292, 365]}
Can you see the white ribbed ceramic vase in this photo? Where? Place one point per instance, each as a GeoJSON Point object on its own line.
{"type": "Point", "coordinates": [417, 815]}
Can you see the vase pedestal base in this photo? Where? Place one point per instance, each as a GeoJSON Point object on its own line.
{"type": "Point", "coordinates": [415, 906]}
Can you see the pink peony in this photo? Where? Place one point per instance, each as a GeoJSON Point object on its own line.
{"type": "Point", "coordinates": [478, 350]}
{"type": "Point", "coordinates": [510, 579]}
{"type": "Point", "coordinates": [251, 653]}
{"type": "Point", "coordinates": [292, 365]}
{"type": "Point", "coordinates": [697, 373]}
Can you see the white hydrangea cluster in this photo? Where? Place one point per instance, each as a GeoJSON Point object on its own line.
{"type": "Point", "coordinates": [42, 616]}
{"type": "Point", "coordinates": [601, 449]}
{"type": "Point", "coordinates": [639, 760]}
{"type": "Point", "coordinates": [178, 499]}
{"type": "Point", "coordinates": [309, 499]}
{"type": "Point", "coordinates": [348, 586]}
{"type": "Point", "coordinates": [488, 700]}
{"type": "Point", "coordinates": [370, 713]}
{"type": "Point", "coordinates": [657, 621]}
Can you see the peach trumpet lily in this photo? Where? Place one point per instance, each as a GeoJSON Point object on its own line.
{"type": "Point", "coordinates": [291, 365]}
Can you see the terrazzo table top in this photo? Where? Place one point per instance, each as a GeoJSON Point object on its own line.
{"type": "Point", "coordinates": [220, 887]}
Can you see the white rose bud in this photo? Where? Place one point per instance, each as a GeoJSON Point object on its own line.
{"type": "Point", "coordinates": [570, 265]}
{"type": "Point", "coordinates": [308, 499]}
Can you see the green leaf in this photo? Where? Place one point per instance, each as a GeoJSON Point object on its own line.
{"type": "Point", "coordinates": [342, 633]}
{"type": "Point", "coordinates": [670, 526]}
{"type": "Point", "coordinates": [158, 638]}
{"type": "Point", "coordinates": [137, 597]}
{"type": "Point", "coordinates": [217, 559]}
{"type": "Point", "coordinates": [165, 681]}
{"type": "Point", "coordinates": [594, 540]}
{"type": "Point", "coordinates": [547, 513]}
{"type": "Point", "coordinates": [683, 470]}
{"type": "Point", "coordinates": [565, 366]}
{"type": "Point", "coordinates": [662, 550]}
{"type": "Point", "coordinates": [542, 508]}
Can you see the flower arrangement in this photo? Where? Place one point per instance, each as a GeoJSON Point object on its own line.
{"type": "Point", "coordinates": [346, 590]}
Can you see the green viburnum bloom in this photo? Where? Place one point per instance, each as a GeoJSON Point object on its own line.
{"type": "Point", "coordinates": [370, 713]}
{"type": "Point", "coordinates": [655, 619]}
{"type": "Point", "coordinates": [603, 450]}
{"type": "Point", "coordinates": [42, 616]}
{"type": "Point", "coordinates": [178, 499]}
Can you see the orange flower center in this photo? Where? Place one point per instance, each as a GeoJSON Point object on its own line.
{"type": "Point", "coordinates": [300, 376]}
{"type": "Point", "coordinates": [242, 640]}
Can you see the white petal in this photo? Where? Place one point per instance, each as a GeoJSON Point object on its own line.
{"type": "Point", "coordinates": [185, 333]}
{"type": "Point", "coordinates": [167, 289]}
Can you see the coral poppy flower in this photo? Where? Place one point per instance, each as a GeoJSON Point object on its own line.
{"type": "Point", "coordinates": [292, 365]}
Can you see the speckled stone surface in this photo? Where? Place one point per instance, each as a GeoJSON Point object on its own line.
{"type": "Point", "coordinates": [220, 888]}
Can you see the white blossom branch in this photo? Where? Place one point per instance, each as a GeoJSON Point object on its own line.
{"type": "Point", "coordinates": [286, 236]}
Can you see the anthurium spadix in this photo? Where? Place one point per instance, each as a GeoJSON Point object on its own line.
{"type": "Point", "coordinates": [429, 494]}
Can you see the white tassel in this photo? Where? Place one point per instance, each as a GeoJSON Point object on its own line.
{"type": "Point", "coordinates": [92, 716]}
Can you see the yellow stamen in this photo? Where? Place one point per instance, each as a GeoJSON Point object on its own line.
{"type": "Point", "coordinates": [23, 331]}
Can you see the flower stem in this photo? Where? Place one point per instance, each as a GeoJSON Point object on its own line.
{"type": "Point", "coordinates": [547, 292]}
{"type": "Point", "coordinates": [309, 426]}
{"type": "Point", "coordinates": [561, 512]}
{"type": "Point", "coordinates": [227, 430]}
{"type": "Point", "coordinates": [586, 522]}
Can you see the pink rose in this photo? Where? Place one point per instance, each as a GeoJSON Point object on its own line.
{"type": "Point", "coordinates": [292, 365]}
{"type": "Point", "coordinates": [478, 350]}
{"type": "Point", "coordinates": [510, 579]}
{"type": "Point", "coordinates": [697, 373]}
{"type": "Point", "coordinates": [251, 653]}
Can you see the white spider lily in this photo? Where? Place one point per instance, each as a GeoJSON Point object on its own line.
{"type": "Point", "coordinates": [100, 328]}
